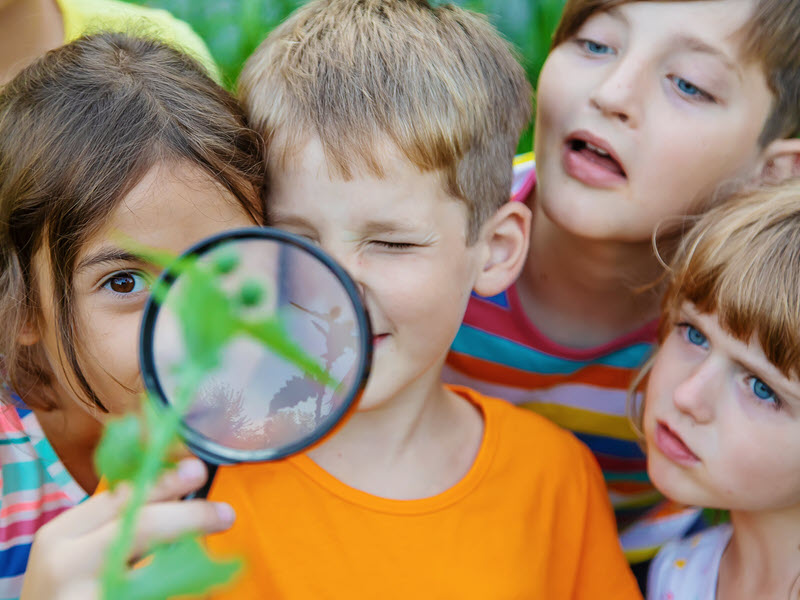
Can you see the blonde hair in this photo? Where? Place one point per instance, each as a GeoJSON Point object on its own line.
{"type": "Point", "coordinates": [438, 83]}
{"type": "Point", "coordinates": [741, 262]}
{"type": "Point", "coordinates": [771, 35]}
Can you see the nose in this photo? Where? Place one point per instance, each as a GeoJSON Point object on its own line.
{"type": "Point", "coordinates": [616, 94]}
{"type": "Point", "coordinates": [696, 394]}
{"type": "Point", "coordinates": [350, 259]}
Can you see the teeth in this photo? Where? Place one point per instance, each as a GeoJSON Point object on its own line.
{"type": "Point", "coordinates": [594, 148]}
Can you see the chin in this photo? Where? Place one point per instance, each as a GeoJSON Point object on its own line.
{"type": "Point", "coordinates": [672, 482]}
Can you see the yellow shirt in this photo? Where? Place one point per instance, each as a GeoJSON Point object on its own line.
{"type": "Point", "coordinates": [531, 519]}
{"type": "Point", "coordinates": [82, 17]}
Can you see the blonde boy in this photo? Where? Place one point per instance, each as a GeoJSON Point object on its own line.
{"type": "Point", "coordinates": [646, 111]}
{"type": "Point", "coordinates": [390, 128]}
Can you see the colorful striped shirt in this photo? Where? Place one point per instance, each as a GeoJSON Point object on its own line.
{"type": "Point", "coordinates": [499, 352]}
{"type": "Point", "coordinates": [35, 488]}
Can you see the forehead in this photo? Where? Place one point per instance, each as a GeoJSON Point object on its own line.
{"type": "Point", "coordinates": [309, 187]}
{"type": "Point", "coordinates": [172, 207]}
{"type": "Point", "coordinates": [718, 21]}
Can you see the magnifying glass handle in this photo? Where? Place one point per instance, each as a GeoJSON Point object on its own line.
{"type": "Point", "coordinates": [202, 492]}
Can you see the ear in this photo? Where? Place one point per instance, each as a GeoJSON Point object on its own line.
{"type": "Point", "coordinates": [781, 160]}
{"type": "Point", "coordinates": [505, 235]}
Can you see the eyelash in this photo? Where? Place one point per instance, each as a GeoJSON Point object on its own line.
{"type": "Point", "coordinates": [751, 379]}
{"type": "Point", "coordinates": [585, 43]}
{"type": "Point", "coordinates": [133, 274]}
{"type": "Point", "coordinates": [393, 245]}
{"type": "Point", "coordinates": [685, 328]}
{"type": "Point", "coordinates": [775, 405]}
{"type": "Point", "coordinates": [701, 94]}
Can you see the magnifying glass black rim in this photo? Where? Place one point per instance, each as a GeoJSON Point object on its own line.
{"type": "Point", "coordinates": [203, 446]}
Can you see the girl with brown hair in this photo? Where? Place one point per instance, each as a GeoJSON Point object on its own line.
{"type": "Point", "coordinates": [105, 139]}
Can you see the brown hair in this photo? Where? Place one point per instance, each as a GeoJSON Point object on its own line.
{"type": "Point", "coordinates": [741, 261]}
{"type": "Point", "coordinates": [437, 82]}
{"type": "Point", "coordinates": [79, 128]}
{"type": "Point", "coordinates": [771, 35]}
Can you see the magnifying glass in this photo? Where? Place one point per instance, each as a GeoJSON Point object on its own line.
{"type": "Point", "coordinates": [294, 343]}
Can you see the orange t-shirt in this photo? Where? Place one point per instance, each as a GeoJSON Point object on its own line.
{"type": "Point", "coordinates": [530, 520]}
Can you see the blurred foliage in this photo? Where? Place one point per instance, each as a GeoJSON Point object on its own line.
{"type": "Point", "coordinates": [233, 28]}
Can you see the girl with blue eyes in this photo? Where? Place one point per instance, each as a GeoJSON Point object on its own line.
{"type": "Point", "coordinates": [721, 409]}
{"type": "Point", "coordinates": [106, 139]}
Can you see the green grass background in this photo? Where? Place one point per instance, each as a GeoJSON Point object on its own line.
{"type": "Point", "coordinates": [233, 28]}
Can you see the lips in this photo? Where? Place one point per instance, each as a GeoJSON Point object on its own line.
{"type": "Point", "coordinates": [592, 161]}
{"type": "Point", "coordinates": [377, 339]}
{"type": "Point", "coordinates": [672, 446]}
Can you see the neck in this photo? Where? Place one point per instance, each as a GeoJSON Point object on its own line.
{"type": "Point", "coordinates": [28, 29]}
{"type": "Point", "coordinates": [762, 559]}
{"type": "Point", "coordinates": [74, 434]}
{"type": "Point", "coordinates": [417, 444]}
{"type": "Point", "coordinates": [583, 293]}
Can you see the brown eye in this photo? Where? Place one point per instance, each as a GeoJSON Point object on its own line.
{"type": "Point", "coordinates": [125, 283]}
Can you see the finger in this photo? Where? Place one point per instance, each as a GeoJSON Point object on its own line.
{"type": "Point", "coordinates": [106, 506]}
{"type": "Point", "coordinates": [157, 523]}
{"type": "Point", "coordinates": [81, 590]}
{"type": "Point", "coordinates": [188, 476]}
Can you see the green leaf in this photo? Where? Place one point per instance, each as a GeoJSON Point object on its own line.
{"type": "Point", "coordinates": [119, 454]}
{"type": "Point", "coordinates": [179, 569]}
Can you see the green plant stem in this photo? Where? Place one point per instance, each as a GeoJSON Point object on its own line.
{"type": "Point", "coordinates": [161, 432]}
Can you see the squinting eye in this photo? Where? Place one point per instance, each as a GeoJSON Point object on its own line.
{"type": "Point", "coordinates": [394, 245]}
{"type": "Point", "coordinates": [125, 282]}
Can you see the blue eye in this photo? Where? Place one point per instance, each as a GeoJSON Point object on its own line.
{"type": "Point", "coordinates": [695, 336]}
{"type": "Point", "coordinates": [596, 47]}
{"type": "Point", "coordinates": [125, 282]}
{"type": "Point", "coordinates": [763, 392]}
{"type": "Point", "coordinates": [690, 90]}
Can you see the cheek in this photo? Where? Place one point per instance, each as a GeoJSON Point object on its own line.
{"type": "Point", "coordinates": [658, 388]}
{"type": "Point", "coordinates": [705, 158]}
{"type": "Point", "coordinates": [111, 355]}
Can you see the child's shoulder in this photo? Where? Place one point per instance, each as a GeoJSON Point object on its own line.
{"type": "Point", "coordinates": [529, 436]}
{"type": "Point", "coordinates": [688, 568]}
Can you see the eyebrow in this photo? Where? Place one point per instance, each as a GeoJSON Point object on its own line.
{"type": "Point", "coordinates": [371, 227]}
{"type": "Point", "coordinates": [695, 44]}
{"type": "Point", "coordinates": [109, 256]}
{"type": "Point", "coordinates": [375, 227]}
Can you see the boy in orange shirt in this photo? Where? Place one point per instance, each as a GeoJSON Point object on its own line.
{"type": "Point", "coordinates": [391, 127]}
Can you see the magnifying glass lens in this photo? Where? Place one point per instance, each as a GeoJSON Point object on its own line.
{"type": "Point", "coordinates": [262, 401]}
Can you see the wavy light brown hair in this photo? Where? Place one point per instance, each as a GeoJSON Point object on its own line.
{"type": "Point", "coordinates": [79, 128]}
{"type": "Point", "coordinates": [439, 83]}
{"type": "Point", "coordinates": [770, 36]}
{"type": "Point", "coordinates": [741, 262]}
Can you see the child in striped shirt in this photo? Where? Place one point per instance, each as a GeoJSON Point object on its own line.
{"type": "Point", "coordinates": [645, 111]}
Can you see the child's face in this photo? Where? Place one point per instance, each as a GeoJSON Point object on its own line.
{"type": "Point", "coordinates": [722, 423]}
{"type": "Point", "coordinates": [171, 208]}
{"type": "Point", "coordinates": [660, 87]}
{"type": "Point", "coordinates": [403, 240]}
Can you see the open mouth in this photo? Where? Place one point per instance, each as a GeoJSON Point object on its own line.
{"type": "Point", "coordinates": [596, 155]}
